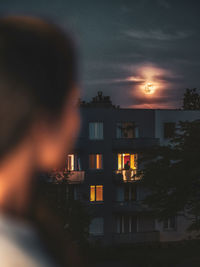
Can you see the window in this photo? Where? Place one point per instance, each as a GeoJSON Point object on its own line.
{"type": "Point", "coordinates": [170, 223]}
{"type": "Point", "coordinates": [130, 192]}
{"type": "Point", "coordinates": [96, 130]}
{"type": "Point", "coordinates": [126, 192]}
{"type": "Point", "coordinates": [96, 226]}
{"type": "Point", "coordinates": [70, 162]}
{"type": "Point", "coordinates": [96, 161]}
{"type": "Point", "coordinates": [169, 129]}
{"type": "Point", "coordinates": [73, 163]}
{"type": "Point", "coordinates": [126, 161]}
{"type": "Point", "coordinates": [127, 130]}
{"type": "Point", "coordinates": [72, 192]}
{"type": "Point", "coordinates": [96, 193]}
{"type": "Point", "coordinates": [126, 224]}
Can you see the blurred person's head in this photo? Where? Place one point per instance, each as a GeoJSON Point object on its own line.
{"type": "Point", "coordinates": [39, 115]}
{"type": "Point", "coordinates": [38, 90]}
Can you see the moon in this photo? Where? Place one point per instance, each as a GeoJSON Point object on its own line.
{"type": "Point", "coordinates": [149, 88]}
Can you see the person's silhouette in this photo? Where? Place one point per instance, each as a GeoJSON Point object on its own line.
{"type": "Point", "coordinates": [127, 166]}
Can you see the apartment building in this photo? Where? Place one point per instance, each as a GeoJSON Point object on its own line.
{"type": "Point", "coordinates": [104, 168]}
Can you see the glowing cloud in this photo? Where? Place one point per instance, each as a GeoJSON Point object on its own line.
{"type": "Point", "coordinates": [151, 82]}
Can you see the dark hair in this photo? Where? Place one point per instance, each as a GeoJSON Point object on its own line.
{"type": "Point", "coordinates": [38, 68]}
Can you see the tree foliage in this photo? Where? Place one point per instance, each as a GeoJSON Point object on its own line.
{"type": "Point", "coordinates": [191, 99]}
{"type": "Point", "coordinates": [72, 214]}
{"type": "Point", "coordinates": [172, 175]}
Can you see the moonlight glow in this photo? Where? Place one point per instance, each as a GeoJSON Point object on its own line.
{"type": "Point", "coordinates": [149, 88]}
{"type": "Point", "coordinates": [149, 85]}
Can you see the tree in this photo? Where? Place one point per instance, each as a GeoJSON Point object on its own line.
{"type": "Point", "coordinates": [62, 223]}
{"type": "Point", "coordinates": [73, 215]}
{"type": "Point", "coordinates": [191, 99]}
{"type": "Point", "coordinates": [172, 175]}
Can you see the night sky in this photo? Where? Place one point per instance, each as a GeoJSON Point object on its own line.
{"type": "Point", "coordinates": [125, 44]}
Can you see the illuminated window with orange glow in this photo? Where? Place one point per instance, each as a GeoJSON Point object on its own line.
{"type": "Point", "coordinates": [96, 193]}
{"type": "Point", "coordinates": [70, 162]}
{"type": "Point", "coordinates": [96, 161]}
{"type": "Point", "coordinates": [99, 193]}
{"type": "Point", "coordinates": [92, 193]}
{"type": "Point", "coordinates": [125, 159]}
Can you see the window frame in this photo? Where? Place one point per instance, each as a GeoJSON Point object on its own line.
{"type": "Point", "coordinates": [95, 193]}
{"type": "Point", "coordinates": [95, 162]}
{"type": "Point", "coordinates": [130, 192]}
{"type": "Point", "coordinates": [120, 161]}
{"type": "Point", "coordinates": [126, 222]}
{"type": "Point", "coordinates": [169, 228]}
{"type": "Point", "coordinates": [118, 130]}
{"type": "Point", "coordinates": [76, 162]}
{"type": "Point", "coordinates": [102, 226]}
{"type": "Point", "coordinates": [95, 130]}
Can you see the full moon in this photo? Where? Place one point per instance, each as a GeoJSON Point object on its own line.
{"type": "Point", "coordinates": [149, 88]}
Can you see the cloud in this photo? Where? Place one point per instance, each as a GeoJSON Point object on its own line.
{"type": "Point", "coordinates": [125, 9]}
{"type": "Point", "coordinates": [153, 100]}
{"type": "Point", "coordinates": [130, 80]}
{"type": "Point", "coordinates": [156, 34]}
{"type": "Point", "coordinates": [164, 3]}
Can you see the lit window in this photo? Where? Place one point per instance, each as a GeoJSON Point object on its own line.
{"type": "Point", "coordinates": [127, 161]}
{"type": "Point", "coordinates": [96, 130]}
{"type": "Point", "coordinates": [92, 193]}
{"type": "Point", "coordinates": [96, 193]}
{"type": "Point", "coordinates": [96, 226]}
{"type": "Point", "coordinates": [99, 193]}
{"type": "Point", "coordinates": [96, 161]}
{"type": "Point", "coordinates": [70, 162]}
{"type": "Point", "coordinates": [127, 130]}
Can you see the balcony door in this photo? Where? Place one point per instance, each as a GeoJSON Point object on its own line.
{"type": "Point", "coordinates": [125, 159]}
{"type": "Point", "coordinates": [73, 162]}
{"type": "Point", "coordinates": [126, 224]}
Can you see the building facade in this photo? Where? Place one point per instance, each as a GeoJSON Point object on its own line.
{"type": "Point", "coordinates": [104, 166]}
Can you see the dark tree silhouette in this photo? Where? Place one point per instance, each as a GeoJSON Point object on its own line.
{"type": "Point", "coordinates": [72, 214]}
{"type": "Point", "coordinates": [191, 99]}
{"type": "Point", "coordinates": [172, 175]}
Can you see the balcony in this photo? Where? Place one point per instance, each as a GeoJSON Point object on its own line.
{"type": "Point", "coordinates": [126, 175]}
{"type": "Point", "coordinates": [76, 177]}
{"type": "Point", "coordinates": [72, 177]}
{"type": "Point", "coordinates": [140, 237]}
{"type": "Point", "coordinates": [129, 144]}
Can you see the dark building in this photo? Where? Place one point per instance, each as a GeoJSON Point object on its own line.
{"type": "Point", "coordinates": [104, 168]}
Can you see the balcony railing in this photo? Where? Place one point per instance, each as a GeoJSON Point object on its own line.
{"type": "Point", "coordinates": [72, 177]}
{"type": "Point", "coordinates": [76, 176]}
{"type": "Point", "coordinates": [140, 237]}
{"type": "Point", "coordinates": [127, 175]}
